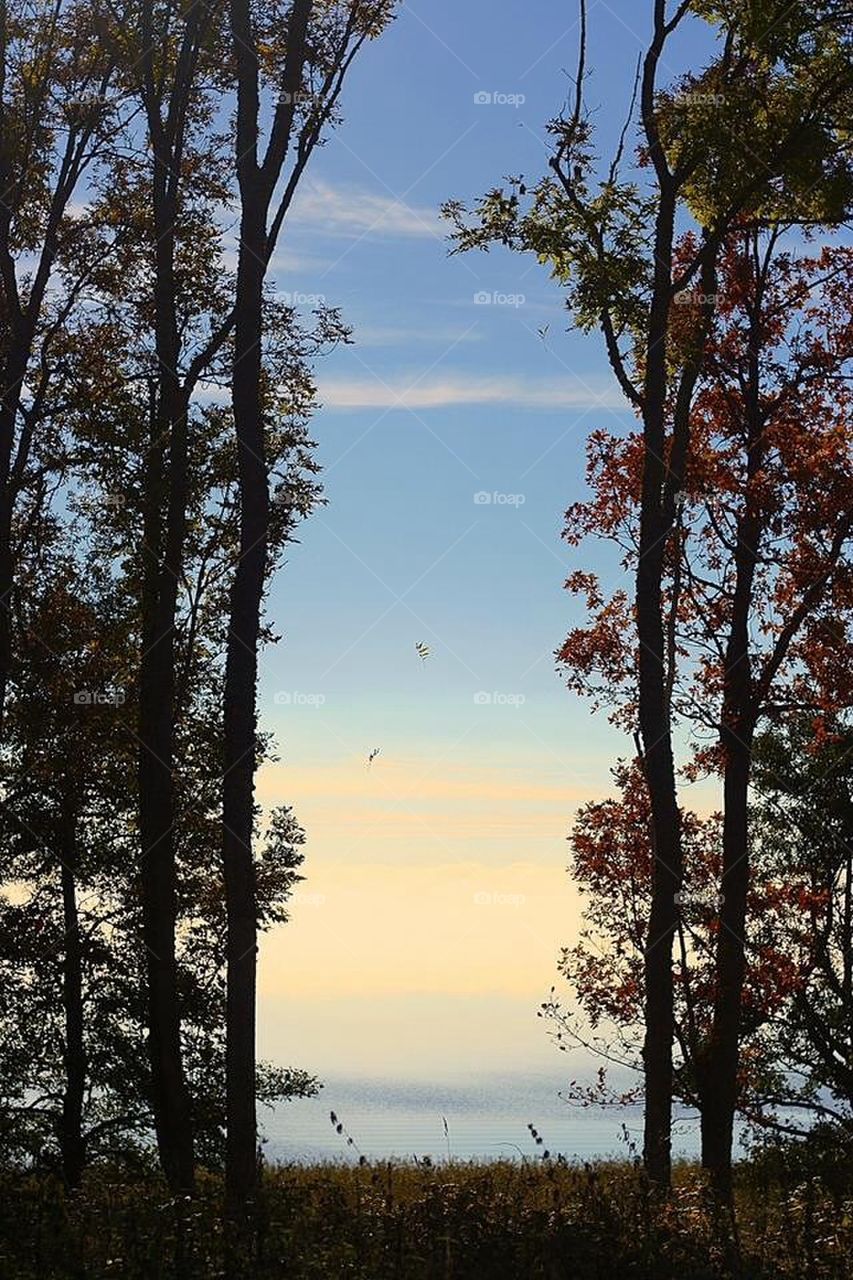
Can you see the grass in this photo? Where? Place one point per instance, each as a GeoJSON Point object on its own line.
{"type": "Point", "coordinates": [443, 1222]}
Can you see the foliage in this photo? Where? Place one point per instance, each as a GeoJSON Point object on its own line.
{"type": "Point", "coordinates": [802, 815]}
{"type": "Point", "coordinates": [762, 532]}
{"type": "Point", "coordinates": [425, 1222]}
{"type": "Point", "coordinates": [795, 484]}
{"type": "Point", "coordinates": [612, 865]}
{"type": "Point", "coordinates": [86, 458]}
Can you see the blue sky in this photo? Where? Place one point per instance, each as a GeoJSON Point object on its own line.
{"type": "Point", "coordinates": [481, 583]}
{"type": "Point", "coordinates": [438, 874]}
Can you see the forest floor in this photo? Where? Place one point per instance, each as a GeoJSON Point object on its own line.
{"type": "Point", "coordinates": [495, 1221]}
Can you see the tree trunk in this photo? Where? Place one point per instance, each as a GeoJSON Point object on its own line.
{"type": "Point", "coordinates": [166, 102]}
{"type": "Point", "coordinates": [240, 716]}
{"type": "Point", "coordinates": [257, 183]}
{"type": "Point", "coordinates": [666, 877]}
{"type": "Point", "coordinates": [71, 1142]}
{"type": "Point", "coordinates": [170, 1097]}
{"type": "Point", "coordinates": [13, 380]}
{"type": "Point", "coordinates": [721, 1092]}
{"type": "Point", "coordinates": [736, 738]}
{"type": "Point", "coordinates": [655, 724]}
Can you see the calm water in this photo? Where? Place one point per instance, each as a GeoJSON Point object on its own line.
{"type": "Point", "coordinates": [487, 1118]}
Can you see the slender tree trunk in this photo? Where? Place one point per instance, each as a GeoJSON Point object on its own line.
{"type": "Point", "coordinates": [71, 1141]}
{"type": "Point", "coordinates": [666, 878]}
{"type": "Point", "coordinates": [721, 1093]}
{"type": "Point", "coordinates": [721, 1088]}
{"type": "Point", "coordinates": [13, 380]}
{"type": "Point", "coordinates": [170, 1097]}
{"type": "Point", "coordinates": [240, 717]}
{"type": "Point", "coordinates": [14, 373]}
{"type": "Point", "coordinates": [167, 97]}
{"type": "Point", "coordinates": [257, 183]}
{"type": "Point", "coordinates": [655, 723]}
{"type": "Point", "coordinates": [736, 738]}
{"type": "Point", "coordinates": [664, 460]}
{"type": "Point", "coordinates": [165, 533]}
{"type": "Point", "coordinates": [847, 958]}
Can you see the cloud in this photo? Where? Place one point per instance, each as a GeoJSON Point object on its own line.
{"type": "Point", "coordinates": [410, 812]}
{"type": "Point", "coordinates": [285, 259]}
{"type": "Point", "coordinates": [352, 211]}
{"type": "Point", "coordinates": [444, 392]}
{"type": "Point", "coordinates": [404, 779]}
{"type": "Point", "coordinates": [400, 336]}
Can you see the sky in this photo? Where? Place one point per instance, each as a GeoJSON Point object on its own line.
{"type": "Point", "coordinates": [451, 433]}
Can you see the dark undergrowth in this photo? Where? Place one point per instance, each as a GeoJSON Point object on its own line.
{"type": "Point", "coordinates": [441, 1222]}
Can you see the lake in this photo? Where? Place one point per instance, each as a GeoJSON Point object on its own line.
{"type": "Point", "coordinates": [487, 1118]}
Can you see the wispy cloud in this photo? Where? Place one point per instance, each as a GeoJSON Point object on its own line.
{"type": "Point", "coordinates": [288, 260]}
{"type": "Point", "coordinates": [416, 810]}
{"type": "Point", "coordinates": [402, 335]}
{"type": "Point", "coordinates": [411, 782]}
{"type": "Point", "coordinates": [352, 211]}
{"type": "Point", "coordinates": [444, 392]}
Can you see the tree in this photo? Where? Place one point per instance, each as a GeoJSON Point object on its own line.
{"type": "Point", "coordinates": [59, 110]}
{"type": "Point", "coordinates": [757, 584]}
{"type": "Point", "coordinates": [82, 497]}
{"type": "Point", "coordinates": [174, 56]}
{"type": "Point", "coordinates": [303, 58]}
{"type": "Point", "coordinates": [75, 1081]}
{"type": "Point", "coordinates": [802, 818]}
{"type": "Point", "coordinates": [63, 808]}
{"type": "Point", "coordinates": [611, 242]}
{"type": "Point", "coordinates": [182, 507]}
{"type": "Point", "coordinates": [612, 863]}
